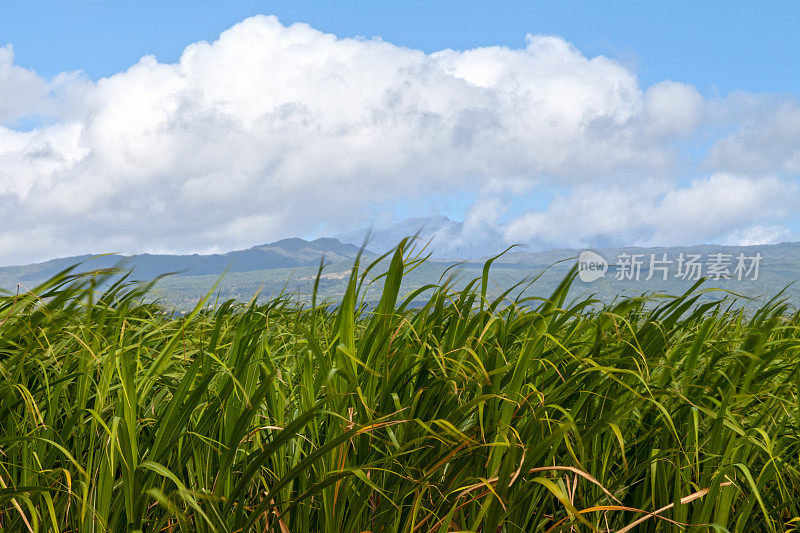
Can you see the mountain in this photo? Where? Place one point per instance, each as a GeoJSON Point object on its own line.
{"type": "Point", "coordinates": [286, 253]}
{"type": "Point", "coordinates": [448, 239]}
{"type": "Point", "coordinates": [290, 267]}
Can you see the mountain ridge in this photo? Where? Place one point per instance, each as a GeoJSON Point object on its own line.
{"type": "Point", "coordinates": [285, 253]}
{"type": "Point", "coordinates": [291, 265]}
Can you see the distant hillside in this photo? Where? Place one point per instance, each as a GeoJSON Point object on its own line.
{"type": "Point", "coordinates": [287, 253]}
{"type": "Point", "coordinates": [290, 267]}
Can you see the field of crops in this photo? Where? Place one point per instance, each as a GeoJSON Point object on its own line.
{"type": "Point", "coordinates": [463, 414]}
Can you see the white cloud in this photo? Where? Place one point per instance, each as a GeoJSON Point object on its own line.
{"type": "Point", "coordinates": [26, 95]}
{"type": "Point", "coordinates": [272, 131]}
{"type": "Point", "coordinates": [721, 208]}
{"type": "Point", "coordinates": [673, 108]}
{"type": "Point", "coordinates": [21, 91]}
{"type": "Point", "coordinates": [766, 141]}
{"type": "Point", "coordinates": [758, 235]}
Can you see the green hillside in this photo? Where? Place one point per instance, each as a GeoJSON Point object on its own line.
{"type": "Point", "coordinates": [291, 266]}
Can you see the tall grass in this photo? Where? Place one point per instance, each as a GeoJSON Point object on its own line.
{"type": "Point", "coordinates": [458, 415]}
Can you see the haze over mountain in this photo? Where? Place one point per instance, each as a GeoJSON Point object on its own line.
{"type": "Point", "coordinates": [448, 239]}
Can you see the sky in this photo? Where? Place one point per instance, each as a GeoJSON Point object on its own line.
{"type": "Point", "coordinates": [210, 126]}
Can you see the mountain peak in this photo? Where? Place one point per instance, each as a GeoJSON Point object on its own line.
{"type": "Point", "coordinates": [285, 253]}
{"type": "Point", "coordinates": [446, 236]}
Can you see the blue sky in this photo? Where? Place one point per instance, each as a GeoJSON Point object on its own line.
{"type": "Point", "coordinates": [720, 46]}
{"type": "Point", "coordinates": [209, 126]}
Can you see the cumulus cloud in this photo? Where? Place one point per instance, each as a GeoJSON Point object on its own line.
{"type": "Point", "coordinates": [274, 131]}
{"type": "Point", "coordinates": [673, 108]}
{"type": "Point", "coordinates": [721, 208]}
{"type": "Point", "coordinates": [767, 141]}
{"type": "Point", "coordinates": [21, 91]}
{"type": "Point", "coordinates": [26, 95]}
